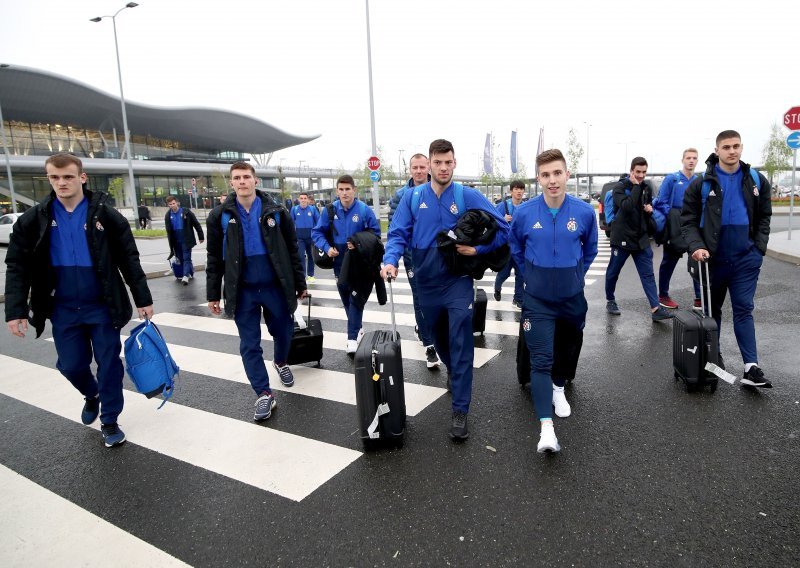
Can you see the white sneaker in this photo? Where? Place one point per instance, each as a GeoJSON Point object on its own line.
{"type": "Point", "coordinates": [560, 403]}
{"type": "Point", "coordinates": [352, 347]}
{"type": "Point", "coordinates": [360, 336]}
{"type": "Point", "coordinates": [310, 279]}
{"type": "Point", "coordinates": [185, 280]}
{"type": "Point", "coordinates": [547, 439]}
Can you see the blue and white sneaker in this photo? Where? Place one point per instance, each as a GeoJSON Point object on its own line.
{"type": "Point", "coordinates": [265, 404]}
{"type": "Point", "coordinates": [91, 409]}
{"type": "Point", "coordinates": [112, 434]}
{"type": "Point", "coordinates": [285, 374]}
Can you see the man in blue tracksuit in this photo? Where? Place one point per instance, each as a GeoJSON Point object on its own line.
{"type": "Point", "coordinates": [554, 236]}
{"type": "Point", "coordinates": [670, 203]}
{"type": "Point", "coordinates": [727, 223]}
{"type": "Point", "coordinates": [70, 252]}
{"type": "Point", "coordinates": [181, 225]}
{"type": "Point", "coordinates": [305, 216]}
{"type": "Point", "coordinates": [507, 208]}
{"type": "Point", "coordinates": [350, 216]}
{"type": "Point", "coordinates": [252, 247]}
{"type": "Point", "coordinates": [420, 174]}
{"type": "Point", "coordinates": [446, 299]}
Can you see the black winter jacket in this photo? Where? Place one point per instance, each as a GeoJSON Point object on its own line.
{"type": "Point", "coordinates": [111, 247]}
{"type": "Point", "coordinates": [361, 268]}
{"type": "Point", "coordinates": [629, 230]}
{"type": "Point", "coordinates": [475, 227]}
{"type": "Point", "coordinates": [759, 210]}
{"type": "Point", "coordinates": [281, 245]}
{"type": "Point", "coordinates": [189, 222]}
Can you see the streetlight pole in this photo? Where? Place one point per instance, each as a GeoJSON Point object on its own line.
{"type": "Point", "coordinates": [299, 168]}
{"type": "Point", "coordinates": [399, 165]}
{"type": "Point", "coordinates": [375, 199]}
{"type": "Point", "coordinates": [131, 196]}
{"type": "Point", "coordinates": [8, 160]}
{"type": "Point", "coordinates": [588, 177]}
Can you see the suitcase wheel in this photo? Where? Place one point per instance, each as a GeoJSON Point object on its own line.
{"type": "Point", "coordinates": [370, 445]}
{"type": "Point", "coordinates": [713, 387]}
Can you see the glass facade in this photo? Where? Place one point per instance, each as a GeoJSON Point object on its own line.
{"type": "Point", "coordinates": [36, 139]}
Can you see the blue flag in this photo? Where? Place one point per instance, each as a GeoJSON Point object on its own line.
{"type": "Point", "coordinates": [513, 151]}
{"type": "Point", "coordinates": [487, 154]}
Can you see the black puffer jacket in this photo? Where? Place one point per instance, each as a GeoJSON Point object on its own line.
{"type": "Point", "coordinates": [759, 210]}
{"type": "Point", "coordinates": [361, 268]}
{"type": "Point", "coordinates": [281, 243]}
{"type": "Point", "coordinates": [629, 230]}
{"type": "Point", "coordinates": [189, 222]}
{"type": "Point", "coordinates": [475, 227]}
{"type": "Point", "coordinates": [111, 246]}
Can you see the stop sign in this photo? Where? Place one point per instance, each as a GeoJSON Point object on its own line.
{"type": "Point", "coordinates": [791, 119]}
{"type": "Point", "coordinates": [374, 163]}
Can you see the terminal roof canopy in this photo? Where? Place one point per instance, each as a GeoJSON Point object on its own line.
{"type": "Point", "coordinates": [30, 95]}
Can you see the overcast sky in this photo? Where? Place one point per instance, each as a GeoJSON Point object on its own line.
{"type": "Point", "coordinates": [659, 76]}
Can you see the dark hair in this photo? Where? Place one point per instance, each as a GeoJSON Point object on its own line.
{"type": "Point", "coordinates": [441, 146]}
{"type": "Point", "coordinates": [170, 198]}
{"type": "Point", "coordinates": [517, 183]}
{"type": "Point", "coordinates": [346, 178]}
{"type": "Point", "coordinates": [638, 161]}
{"type": "Point", "coordinates": [302, 193]}
{"type": "Point", "coordinates": [725, 134]}
{"type": "Point", "coordinates": [552, 155]}
{"type": "Point", "coordinates": [63, 159]}
{"type": "Point", "coordinates": [243, 166]}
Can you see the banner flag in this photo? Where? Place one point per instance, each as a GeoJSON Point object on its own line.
{"type": "Point", "coordinates": [513, 151]}
{"type": "Point", "coordinates": [487, 154]}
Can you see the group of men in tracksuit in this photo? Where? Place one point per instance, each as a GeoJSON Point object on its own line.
{"type": "Point", "coordinates": [71, 252]}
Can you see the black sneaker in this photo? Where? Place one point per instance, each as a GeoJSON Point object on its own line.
{"type": "Point", "coordinates": [91, 409]}
{"type": "Point", "coordinates": [497, 295]}
{"type": "Point", "coordinates": [459, 429]}
{"type": "Point", "coordinates": [432, 358]}
{"type": "Point", "coordinates": [517, 304]}
{"type": "Point", "coordinates": [755, 378]}
{"type": "Point", "coordinates": [112, 435]}
{"type": "Point", "coordinates": [661, 314]}
{"type": "Point", "coordinates": [612, 308]}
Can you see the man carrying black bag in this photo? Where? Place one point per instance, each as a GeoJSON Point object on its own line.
{"type": "Point", "coordinates": [670, 202]}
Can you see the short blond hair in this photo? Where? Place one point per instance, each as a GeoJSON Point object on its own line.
{"type": "Point", "coordinates": [690, 150]}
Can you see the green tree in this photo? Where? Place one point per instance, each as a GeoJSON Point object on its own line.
{"type": "Point", "coordinates": [776, 154]}
{"type": "Point", "coordinates": [219, 183]}
{"type": "Point", "coordinates": [116, 189]}
{"type": "Point", "coordinates": [574, 151]}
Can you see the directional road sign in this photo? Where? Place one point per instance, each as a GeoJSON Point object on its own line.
{"type": "Point", "coordinates": [374, 163]}
{"type": "Point", "coordinates": [791, 119]}
{"type": "Point", "coordinates": [793, 140]}
{"type": "Point", "coordinates": [375, 176]}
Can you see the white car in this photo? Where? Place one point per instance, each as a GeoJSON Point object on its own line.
{"type": "Point", "coordinates": [6, 225]}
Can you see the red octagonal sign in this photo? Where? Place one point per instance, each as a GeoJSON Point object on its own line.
{"type": "Point", "coordinates": [374, 163]}
{"type": "Point", "coordinates": [791, 119]}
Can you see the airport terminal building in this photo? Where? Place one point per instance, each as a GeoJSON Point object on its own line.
{"type": "Point", "coordinates": [44, 114]}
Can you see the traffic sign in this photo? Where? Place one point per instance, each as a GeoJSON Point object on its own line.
{"type": "Point", "coordinates": [374, 163]}
{"type": "Point", "coordinates": [793, 140]}
{"type": "Point", "coordinates": [791, 119]}
{"type": "Point", "coordinates": [375, 176]}
{"type": "Point", "coordinates": [194, 182]}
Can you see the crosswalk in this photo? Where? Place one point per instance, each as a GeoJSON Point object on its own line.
{"type": "Point", "coordinates": [290, 465]}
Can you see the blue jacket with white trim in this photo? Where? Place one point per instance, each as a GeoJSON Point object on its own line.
{"type": "Point", "coordinates": [417, 230]}
{"type": "Point", "coordinates": [555, 251]}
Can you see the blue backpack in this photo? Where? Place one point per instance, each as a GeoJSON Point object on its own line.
{"type": "Point", "coordinates": [608, 205]}
{"type": "Point", "coordinates": [706, 189]}
{"type": "Point", "coordinates": [148, 362]}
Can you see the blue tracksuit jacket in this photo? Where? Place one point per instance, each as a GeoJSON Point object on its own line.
{"type": "Point", "coordinates": [555, 251]}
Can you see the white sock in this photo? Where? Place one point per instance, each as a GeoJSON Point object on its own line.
{"type": "Point", "coordinates": [748, 366]}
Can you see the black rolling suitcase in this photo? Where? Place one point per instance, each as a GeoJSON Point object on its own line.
{"type": "Point", "coordinates": [695, 340]}
{"type": "Point", "coordinates": [306, 345]}
{"type": "Point", "coordinates": [479, 310]}
{"type": "Point", "coordinates": [567, 345]}
{"type": "Point", "coordinates": [380, 395]}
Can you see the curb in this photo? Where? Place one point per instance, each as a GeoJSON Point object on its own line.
{"type": "Point", "coordinates": [782, 256]}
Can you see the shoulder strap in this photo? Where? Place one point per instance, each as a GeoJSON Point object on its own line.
{"type": "Point", "coordinates": [756, 178]}
{"type": "Point", "coordinates": [331, 228]}
{"type": "Point", "coordinates": [507, 207]}
{"type": "Point", "coordinates": [225, 218]}
{"type": "Point", "coordinates": [458, 195]}
{"type": "Point", "coordinates": [416, 197]}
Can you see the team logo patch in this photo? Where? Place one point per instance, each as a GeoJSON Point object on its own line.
{"type": "Point", "coordinates": [615, 252]}
{"type": "Point", "coordinates": [423, 205]}
{"type": "Point", "coordinates": [572, 225]}
{"type": "Point", "coordinates": [712, 193]}
{"type": "Point", "coordinates": [411, 274]}
{"type": "Point", "coordinates": [755, 191]}
{"type": "Point", "coordinates": [354, 293]}
{"type": "Point", "coordinates": [526, 325]}
{"type": "Point", "coordinates": [454, 209]}
{"type": "Point", "coordinates": [309, 213]}
{"type": "Point", "coordinates": [271, 222]}
{"type": "Point", "coordinates": [355, 218]}
{"type": "Point", "coordinates": [97, 226]}
{"type": "Point", "coordinates": [537, 225]}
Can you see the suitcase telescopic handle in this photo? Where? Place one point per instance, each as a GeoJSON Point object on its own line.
{"type": "Point", "coordinates": [391, 306]}
{"type": "Point", "coordinates": [308, 296]}
{"type": "Point", "coordinates": [705, 288]}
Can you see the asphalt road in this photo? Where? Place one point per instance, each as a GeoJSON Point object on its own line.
{"type": "Point", "coordinates": [648, 476]}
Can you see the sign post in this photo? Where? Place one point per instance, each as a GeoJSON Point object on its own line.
{"type": "Point", "coordinates": [793, 141]}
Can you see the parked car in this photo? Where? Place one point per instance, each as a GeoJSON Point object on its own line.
{"type": "Point", "coordinates": [6, 226]}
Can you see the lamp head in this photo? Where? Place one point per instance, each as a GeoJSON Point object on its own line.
{"type": "Point", "coordinates": [97, 19]}
{"type": "Point", "coordinates": [131, 5]}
